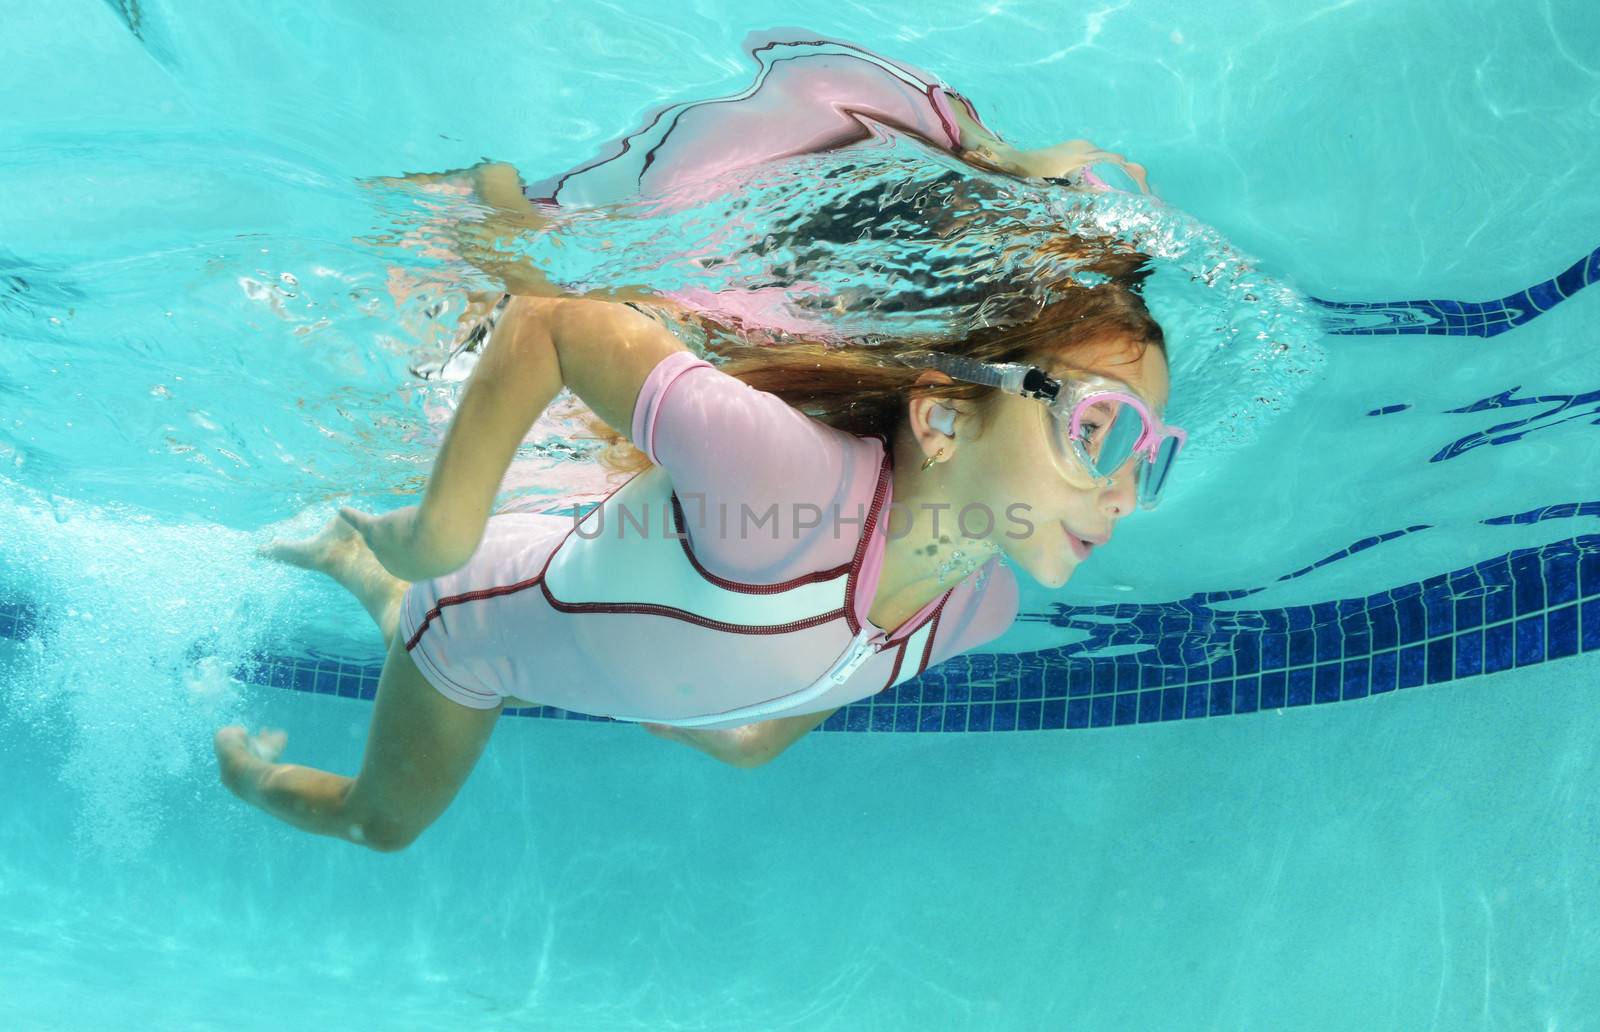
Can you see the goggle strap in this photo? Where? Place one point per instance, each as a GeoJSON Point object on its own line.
{"type": "Point", "coordinates": [1011, 377]}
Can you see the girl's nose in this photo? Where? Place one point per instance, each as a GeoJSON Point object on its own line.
{"type": "Point", "coordinates": [1123, 493]}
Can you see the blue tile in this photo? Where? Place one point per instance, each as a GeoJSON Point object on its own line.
{"type": "Point", "coordinates": [930, 718]}
{"type": "Point", "coordinates": [932, 691]}
{"type": "Point", "coordinates": [1327, 683]}
{"type": "Point", "coordinates": [1572, 280]}
{"type": "Point", "coordinates": [1221, 668]}
{"type": "Point", "coordinates": [1221, 698]}
{"type": "Point", "coordinates": [1031, 684]}
{"type": "Point", "coordinates": [349, 687]}
{"type": "Point", "coordinates": [1028, 714]}
{"type": "Point", "coordinates": [1301, 682]}
{"type": "Point", "coordinates": [1498, 648]}
{"type": "Point", "coordinates": [883, 718]}
{"type": "Point", "coordinates": [1413, 620]}
{"type": "Point", "coordinates": [1545, 295]}
{"type": "Point", "coordinates": [981, 691]}
{"type": "Point", "coordinates": [1053, 716]}
{"type": "Point", "coordinates": [1589, 573]}
{"type": "Point", "coordinates": [1078, 713]}
{"type": "Point", "coordinates": [1127, 708]}
{"type": "Point", "coordinates": [1469, 613]}
{"type": "Point", "coordinates": [1274, 685]}
{"type": "Point", "coordinates": [955, 718]}
{"type": "Point", "coordinates": [1530, 640]}
{"type": "Point", "coordinates": [1357, 645]}
{"type": "Point", "coordinates": [1005, 716]}
{"type": "Point", "coordinates": [326, 682]}
{"type": "Point", "coordinates": [956, 692]}
{"type": "Point", "coordinates": [1561, 630]}
{"type": "Point", "coordinates": [980, 717]}
{"type": "Point", "coordinates": [1302, 648]}
{"type": "Point", "coordinates": [1100, 711]}
{"type": "Point", "coordinates": [1385, 672]}
{"type": "Point", "coordinates": [1413, 666]}
{"type": "Point", "coordinates": [836, 720]}
{"type": "Point", "coordinates": [1441, 613]}
{"type": "Point", "coordinates": [1591, 625]}
{"type": "Point", "coordinates": [1329, 644]}
{"type": "Point", "coordinates": [1469, 654]}
{"type": "Point", "coordinates": [1247, 653]}
{"type": "Point", "coordinates": [909, 693]}
{"type": "Point", "coordinates": [1526, 574]}
{"type": "Point", "coordinates": [1441, 660]}
{"type": "Point", "coordinates": [1498, 604]}
{"type": "Point", "coordinates": [1246, 694]}
{"type": "Point", "coordinates": [1560, 575]}
{"type": "Point", "coordinates": [1149, 706]}
{"type": "Point", "coordinates": [905, 718]}
{"type": "Point", "coordinates": [1299, 617]}
{"type": "Point", "coordinates": [1385, 631]}
{"type": "Point", "coordinates": [1197, 700]}
{"type": "Point", "coordinates": [1007, 690]}
{"type": "Point", "coordinates": [1080, 679]}
{"type": "Point", "coordinates": [857, 718]}
{"type": "Point", "coordinates": [1274, 651]}
{"type": "Point", "coordinates": [1356, 674]}
{"type": "Point", "coordinates": [1172, 703]}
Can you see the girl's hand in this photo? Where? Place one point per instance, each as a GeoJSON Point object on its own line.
{"type": "Point", "coordinates": [1063, 159]}
{"type": "Point", "coordinates": [398, 543]}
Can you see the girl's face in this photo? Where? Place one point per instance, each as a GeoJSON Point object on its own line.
{"type": "Point", "coordinates": [1041, 513]}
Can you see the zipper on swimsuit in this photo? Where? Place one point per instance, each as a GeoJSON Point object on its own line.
{"type": "Point", "coordinates": [862, 648]}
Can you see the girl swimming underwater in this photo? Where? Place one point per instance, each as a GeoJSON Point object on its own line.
{"type": "Point", "coordinates": [814, 524]}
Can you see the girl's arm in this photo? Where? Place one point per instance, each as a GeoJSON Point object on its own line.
{"type": "Point", "coordinates": [983, 147]}
{"type": "Point", "coordinates": [498, 187]}
{"type": "Point", "coordinates": [602, 351]}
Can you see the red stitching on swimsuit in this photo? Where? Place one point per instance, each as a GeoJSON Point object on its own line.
{"type": "Point", "coordinates": [933, 632]}
{"type": "Point", "coordinates": [470, 596]}
{"type": "Point", "coordinates": [899, 655]}
{"type": "Point", "coordinates": [742, 586]}
{"type": "Point", "coordinates": [652, 608]}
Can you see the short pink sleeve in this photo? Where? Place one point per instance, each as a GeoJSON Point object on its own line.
{"type": "Point", "coordinates": [758, 479]}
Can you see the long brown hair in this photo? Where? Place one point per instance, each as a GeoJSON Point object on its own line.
{"type": "Point", "coordinates": [863, 389]}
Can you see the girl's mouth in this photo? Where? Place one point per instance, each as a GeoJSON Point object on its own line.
{"type": "Point", "coordinates": [1080, 547]}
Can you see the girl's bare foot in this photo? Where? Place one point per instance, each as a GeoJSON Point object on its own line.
{"type": "Point", "coordinates": [338, 551]}
{"type": "Point", "coordinates": [334, 548]}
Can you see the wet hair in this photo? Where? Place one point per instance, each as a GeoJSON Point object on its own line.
{"type": "Point", "coordinates": [863, 390]}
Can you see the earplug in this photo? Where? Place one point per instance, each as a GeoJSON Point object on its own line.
{"type": "Point", "coordinates": [943, 419]}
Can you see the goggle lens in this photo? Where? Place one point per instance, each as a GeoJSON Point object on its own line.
{"type": "Point", "coordinates": [1153, 479]}
{"type": "Point", "coordinates": [1108, 430]}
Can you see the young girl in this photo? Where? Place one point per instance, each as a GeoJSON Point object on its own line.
{"type": "Point", "coordinates": [815, 525]}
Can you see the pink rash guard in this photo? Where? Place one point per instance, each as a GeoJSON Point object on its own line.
{"type": "Point", "coordinates": [675, 601]}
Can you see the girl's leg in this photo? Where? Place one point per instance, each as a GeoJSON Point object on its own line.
{"type": "Point", "coordinates": [420, 748]}
{"type": "Point", "coordinates": [339, 552]}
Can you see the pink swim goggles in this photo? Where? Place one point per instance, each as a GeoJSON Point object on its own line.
{"type": "Point", "coordinates": [1097, 425]}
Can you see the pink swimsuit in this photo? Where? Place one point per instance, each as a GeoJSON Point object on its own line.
{"type": "Point", "coordinates": [730, 583]}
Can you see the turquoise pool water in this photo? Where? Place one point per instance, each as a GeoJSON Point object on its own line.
{"type": "Point", "coordinates": [194, 348]}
